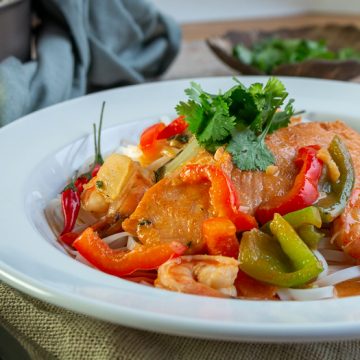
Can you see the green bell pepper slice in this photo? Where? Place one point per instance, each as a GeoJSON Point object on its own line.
{"type": "Point", "coordinates": [284, 261]}
{"type": "Point", "coordinates": [307, 216]}
{"type": "Point", "coordinates": [310, 235]}
{"type": "Point", "coordinates": [334, 203]}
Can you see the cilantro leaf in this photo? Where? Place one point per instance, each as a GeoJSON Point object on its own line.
{"type": "Point", "coordinates": [194, 114]}
{"type": "Point", "coordinates": [243, 105]}
{"type": "Point", "coordinates": [208, 117]}
{"type": "Point", "coordinates": [194, 91]}
{"type": "Point", "coordinates": [268, 99]}
{"type": "Point", "coordinates": [282, 118]}
{"type": "Point", "coordinates": [220, 124]}
{"type": "Point", "coordinates": [249, 152]}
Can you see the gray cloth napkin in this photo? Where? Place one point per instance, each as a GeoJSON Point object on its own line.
{"type": "Point", "coordinates": [86, 45]}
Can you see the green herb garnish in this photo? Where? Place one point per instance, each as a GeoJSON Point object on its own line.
{"type": "Point", "coordinates": [272, 52]}
{"type": "Point", "coordinates": [144, 222]}
{"type": "Point", "coordinates": [99, 184]}
{"type": "Point", "coordinates": [240, 118]}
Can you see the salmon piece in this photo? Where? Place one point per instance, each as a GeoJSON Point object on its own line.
{"type": "Point", "coordinates": [171, 211]}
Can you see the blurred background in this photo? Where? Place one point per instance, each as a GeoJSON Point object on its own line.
{"type": "Point", "coordinates": [203, 19]}
{"type": "Point", "coordinates": [188, 11]}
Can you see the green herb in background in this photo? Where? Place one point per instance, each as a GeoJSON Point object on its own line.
{"type": "Point", "coordinates": [270, 53]}
{"type": "Point", "coordinates": [239, 118]}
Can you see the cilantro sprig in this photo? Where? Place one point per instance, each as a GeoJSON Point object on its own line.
{"type": "Point", "coordinates": [240, 118]}
{"type": "Point", "coordinates": [269, 53]}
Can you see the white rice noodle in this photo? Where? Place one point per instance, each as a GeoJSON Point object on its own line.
{"type": "Point", "coordinates": [86, 218]}
{"type": "Point", "coordinates": [157, 164]}
{"type": "Point", "coordinates": [325, 243]}
{"type": "Point", "coordinates": [54, 216]}
{"type": "Point", "coordinates": [334, 268]}
{"type": "Point", "coordinates": [333, 238]}
{"type": "Point", "coordinates": [323, 263]}
{"type": "Point", "coordinates": [339, 276]}
{"type": "Point", "coordinates": [131, 244]}
{"type": "Point", "coordinates": [121, 239]}
{"type": "Point", "coordinates": [326, 292]}
{"type": "Point", "coordinates": [336, 256]}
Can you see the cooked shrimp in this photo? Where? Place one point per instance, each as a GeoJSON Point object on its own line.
{"type": "Point", "coordinates": [199, 275]}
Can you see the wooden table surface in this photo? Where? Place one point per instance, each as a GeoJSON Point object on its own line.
{"type": "Point", "coordinates": [196, 60]}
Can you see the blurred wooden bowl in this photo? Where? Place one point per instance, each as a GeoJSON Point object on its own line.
{"type": "Point", "coordinates": [336, 37]}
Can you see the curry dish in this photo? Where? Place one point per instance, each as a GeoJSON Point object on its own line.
{"type": "Point", "coordinates": [237, 197]}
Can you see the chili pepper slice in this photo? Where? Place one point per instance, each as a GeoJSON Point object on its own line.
{"type": "Point", "coordinates": [70, 202]}
{"type": "Point", "coordinates": [283, 261]}
{"type": "Point", "coordinates": [304, 191]}
{"type": "Point", "coordinates": [222, 193]}
{"type": "Point", "coordinates": [334, 203]}
{"type": "Point", "coordinates": [95, 170]}
{"type": "Point", "coordinates": [69, 237]}
{"type": "Point", "coordinates": [220, 237]}
{"type": "Point", "coordinates": [120, 263]}
{"type": "Point", "coordinates": [177, 126]}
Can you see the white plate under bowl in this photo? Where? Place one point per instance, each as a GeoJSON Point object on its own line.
{"type": "Point", "coordinates": [40, 151]}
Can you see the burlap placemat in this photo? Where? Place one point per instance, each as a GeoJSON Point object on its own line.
{"type": "Point", "coordinates": [48, 332]}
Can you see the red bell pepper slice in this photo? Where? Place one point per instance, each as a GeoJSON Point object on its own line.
{"type": "Point", "coordinates": [304, 191]}
{"type": "Point", "coordinates": [149, 136]}
{"type": "Point", "coordinates": [220, 237]}
{"type": "Point", "coordinates": [177, 126]}
{"type": "Point", "coordinates": [222, 193]}
{"type": "Point", "coordinates": [124, 262]}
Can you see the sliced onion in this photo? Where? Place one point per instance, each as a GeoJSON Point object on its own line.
{"type": "Point", "coordinates": [336, 255]}
{"type": "Point", "coordinates": [339, 276]}
{"type": "Point", "coordinates": [157, 164]}
{"type": "Point", "coordinates": [326, 292]}
{"type": "Point", "coordinates": [121, 235]}
{"type": "Point", "coordinates": [336, 268]}
{"type": "Point", "coordinates": [323, 263]}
